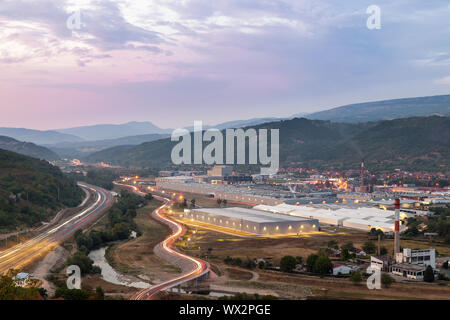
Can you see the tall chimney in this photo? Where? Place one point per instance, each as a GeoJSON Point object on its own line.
{"type": "Point", "coordinates": [397, 227]}
{"type": "Point", "coordinates": [362, 172]}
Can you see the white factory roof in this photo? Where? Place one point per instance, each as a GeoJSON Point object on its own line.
{"type": "Point", "coordinates": [364, 224]}
{"type": "Point", "coordinates": [253, 215]}
{"type": "Point", "coordinates": [359, 218]}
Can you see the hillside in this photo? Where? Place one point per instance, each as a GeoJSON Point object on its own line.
{"type": "Point", "coordinates": [38, 136]}
{"type": "Point", "coordinates": [114, 131]}
{"type": "Point", "coordinates": [27, 149]}
{"type": "Point", "coordinates": [421, 143]}
{"type": "Point", "coordinates": [29, 190]}
{"type": "Point", "coordinates": [84, 148]}
{"type": "Point", "coordinates": [387, 110]}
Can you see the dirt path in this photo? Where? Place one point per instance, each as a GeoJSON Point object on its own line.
{"type": "Point", "coordinates": [53, 259]}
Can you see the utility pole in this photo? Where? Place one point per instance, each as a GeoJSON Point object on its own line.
{"type": "Point", "coordinates": [379, 248]}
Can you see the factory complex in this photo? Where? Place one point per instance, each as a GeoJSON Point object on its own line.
{"type": "Point", "coordinates": [253, 220]}
{"type": "Point", "coordinates": [362, 218]}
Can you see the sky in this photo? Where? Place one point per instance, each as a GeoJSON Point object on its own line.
{"type": "Point", "coordinates": [172, 62]}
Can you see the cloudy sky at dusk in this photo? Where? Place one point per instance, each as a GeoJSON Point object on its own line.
{"type": "Point", "coordinates": [173, 62]}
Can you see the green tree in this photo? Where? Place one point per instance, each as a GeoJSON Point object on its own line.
{"type": "Point", "coordinates": [192, 203]}
{"type": "Point", "coordinates": [100, 293]}
{"type": "Point", "coordinates": [345, 255]}
{"type": "Point", "coordinates": [369, 247]}
{"type": "Point", "coordinates": [299, 259]}
{"type": "Point", "coordinates": [386, 280]}
{"type": "Point", "coordinates": [447, 239]}
{"type": "Point", "coordinates": [310, 262]}
{"type": "Point", "coordinates": [332, 244]}
{"type": "Point", "coordinates": [355, 277]}
{"type": "Point", "coordinates": [348, 246]}
{"type": "Point", "coordinates": [84, 262]}
{"type": "Point", "coordinates": [43, 293]}
{"type": "Point", "coordinates": [323, 265]}
{"type": "Point", "coordinates": [383, 251]}
{"type": "Point", "coordinates": [148, 197]}
{"type": "Point", "coordinates": [288, 263]}
{"type": "Point", "coordinates": [428, 275]}
{"type": "Point", "coordinates": [376, 232]}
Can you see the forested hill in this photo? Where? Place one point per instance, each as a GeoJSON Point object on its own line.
{"type": "Point", "coordinates": [27, 149]}
{"type": "Point", "coordinates": [32, 190]}
{"type": "Point", "coordinates": [420, 143]}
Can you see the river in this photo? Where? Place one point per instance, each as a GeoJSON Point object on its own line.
{"type": "Point", "coordinates": [112, 276]}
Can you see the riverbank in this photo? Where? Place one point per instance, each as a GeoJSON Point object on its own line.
{"type": "Point", "coordinates": [136, 257]}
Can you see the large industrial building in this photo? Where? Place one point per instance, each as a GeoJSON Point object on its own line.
{"type": "Point", "coordinates": [358, 218]}
{"type": "Point", "coordinates": [252, 220]}
{"type": "Point", "coordinates": [224, 192]}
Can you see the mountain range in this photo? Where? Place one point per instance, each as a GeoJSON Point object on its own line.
{"type": "Point", "coordinates": [114, 131]}
{"type": "Point", "coordinates": [38, 136]}
{"type": "Point", "coordinates": [27, 148]}
{"type": "Point", "coordinates": [387, 110]}
{"type": "Point", "coordinates": [83, 148]}
{"type": "Point", "coordinates": [81, 141]}
{"type": "Point", "coordinates": [418, 143]}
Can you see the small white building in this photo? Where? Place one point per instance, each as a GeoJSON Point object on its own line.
{"type": "Point", "coordinates": [421, 257]}
{"type": "Point", "coordinates": [343, 269]}
{"type": "Point", "coordinates": [21, 279]}
{"type": "Point", "coordinates": [361, 253]}
{"type": "Point", "coordinates": [409, 271]}
{"type": "Point", "coordinates": [382, 263]}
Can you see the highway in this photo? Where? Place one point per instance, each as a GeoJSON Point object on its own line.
{"type": "Point", "coordinates": [22, 254]}
{"type": "Point", "coordinates": [192, 268]}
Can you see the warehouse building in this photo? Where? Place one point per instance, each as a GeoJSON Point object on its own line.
{"type": "Point", "coordinates": [252, 220]}
{"type": "Point", "coordinates": [356, 218]}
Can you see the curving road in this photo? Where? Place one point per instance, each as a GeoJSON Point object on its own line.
{"type": "Point", "coordinates": [20, 255]}
{"type": "Point", "coordinates": [192, 268]}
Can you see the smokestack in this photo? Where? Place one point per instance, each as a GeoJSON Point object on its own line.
{"type": "Point", "coordinates": [362, 172]}
{"type": "Point", "coordinates": [397, 227]}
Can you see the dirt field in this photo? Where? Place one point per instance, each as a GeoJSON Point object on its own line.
{"type": "Point", "coordinates": [274, 249]}
{"type": "Point", "coordinates": [111, 290]}
{"type": "Point", "coordinates": [215, 247]}
{"type": "Point", "coordinates": [136, 256]}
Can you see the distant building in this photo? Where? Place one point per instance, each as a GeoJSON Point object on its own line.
{"type": "Point", "coordinates": [408, 270]}
{"type": "Point", "coordinates": [22, 279]}
{"type": "Point", "coordinates": [382, 263]}
{"type": "Point", "coordinates": [343, 269]}
{"type": "Point", "coordinates": [252, 220]}
{"type": "Point", "coordinates": [237, 179]}
{"type": "Point", "coordinates": [361, 253]}
{"type": "Point", "coordinates": [220, 171]}
{"type": "Point", "coordinates": [422, 257]}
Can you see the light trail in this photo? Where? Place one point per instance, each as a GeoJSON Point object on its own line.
{"type": "Point", "coordinates": [200, 267]}
{"type": "Point", "coordinates": [22, 254]}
